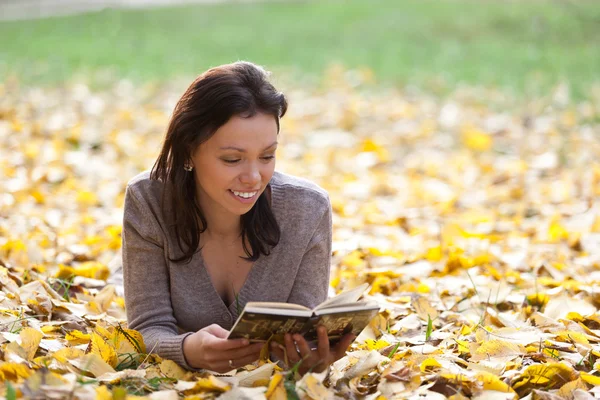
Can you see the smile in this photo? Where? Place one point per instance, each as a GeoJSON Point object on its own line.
{"type": "Point", "coordinates": [244, 197]}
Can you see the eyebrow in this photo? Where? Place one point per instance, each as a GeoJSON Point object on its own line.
{"type": "Point", "coordinates": [243, 151]}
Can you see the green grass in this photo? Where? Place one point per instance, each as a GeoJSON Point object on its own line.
{"type": "Point", "coordinates": [526, 46]}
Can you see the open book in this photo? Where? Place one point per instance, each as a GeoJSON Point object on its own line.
{"type": "Point", "coordinates": [340, 315]}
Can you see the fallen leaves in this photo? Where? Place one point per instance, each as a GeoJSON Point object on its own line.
{"type": "Point", "coordinates": [477, 226]}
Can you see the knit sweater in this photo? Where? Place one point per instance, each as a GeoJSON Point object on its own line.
{"type": "Point", "coordinates": [167, 301]}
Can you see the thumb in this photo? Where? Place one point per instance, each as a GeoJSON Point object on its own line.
{"type": "Point", "coordinates": [217, 331]}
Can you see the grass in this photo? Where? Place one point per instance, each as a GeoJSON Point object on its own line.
{"type": "Point", "coordinates": [524, 46]}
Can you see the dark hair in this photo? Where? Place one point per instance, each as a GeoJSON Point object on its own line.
{"type": "Point", "coordinates": [242, 89]}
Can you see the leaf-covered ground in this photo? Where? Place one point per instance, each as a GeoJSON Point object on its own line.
{"type": "Point", "coordinates": [476, 222]}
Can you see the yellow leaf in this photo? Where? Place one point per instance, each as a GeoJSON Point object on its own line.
{"type": "Point", "coordinates": [120, 301]}
{"type": "Point", "coordinates": [476, 139]}
{"type": "Point", "coordinates": [372, 344]}
{"type": "Point", "coordinates": [572, 336]}
{"type": "Point", "coordinates": [423, 288]}
{"type": "Point", "coordinates": [76, 337]}
{"type": "Point", "coordinates": [538, 300]}
{"type": "Point", "coordinates": [353, 260]}
{"type": "Point", "coordinates": [129, 341]}
{"type": "Point", "coordinates": [172, 370]}
{"type": "Point", "coordinates": [276, 391]}
{"type": "Point", "coordinates": [548, 376]}
{"type": "Point", "coordinates": [87, 198]}
{"type": "Point", "coordinates": [13, 371]}
{"type": "Point", "coordinates": [102, 393]}
{"type": "Point", "coordinates": [102, 299]}
{"type": "Point", "coordinates": [424, 308]}
{"type": "Point", "coordinates": [492, 382]}
{"type": "Point", "coordinates": [30, 340]}
{"type": "Point", "coordinates": [556, 231]}
{"type": "Point", "coordinates": [68, 353]}
{"type": "Point", "coordinates": [497, 348]}
{"type": "Point", "coordinates": [314, 388]}
{"type": "Point", "coordinates": [13, 246]}
{"type": "Point", "coordinates": [380, 285]}
{"type": "Point", "coordinates": [589, 378]}
{"type": "Point", "coordinates": [430, 365]}
{"type": "Point", "coordinates": [50, 328]}
{"type": "Point", "coordinates": [105, 333]}
{"type": "Point", "coordinates": [463, 346]}
{"type": "Point", "coordinates": [434, 253]}
{"type": "Point", "coordinates": [369, 145]}
{"type": "Point", "coordinates": [466, 329]}
{"type": "Point", "coordinates": [567, 389]}
{"type": "Point", "coordinates": [93, 364]}
{"type": "Point", "coordinates": [88, 269]}
{"type": "Point", "coordinates": [103, 349]}
{"type": "Point", "coordinates": [209, 384]}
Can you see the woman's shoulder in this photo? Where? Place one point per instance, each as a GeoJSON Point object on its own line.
{"type": "Point", "coordinates": [146, 189]}
{"type": "Point", "coordinates": [299, 190]}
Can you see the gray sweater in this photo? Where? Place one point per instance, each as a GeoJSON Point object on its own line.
{"type": "Point", "coordinates": [166, 301]}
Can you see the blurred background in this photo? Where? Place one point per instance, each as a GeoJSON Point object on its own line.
{"type": "Point", "coordinates": [526, 47]}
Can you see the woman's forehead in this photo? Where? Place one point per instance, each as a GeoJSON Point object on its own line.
{"type": "Point", "coordinates": [258, 131]}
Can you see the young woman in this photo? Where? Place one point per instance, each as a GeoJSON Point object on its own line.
{"type": "Point", "coordinates": [213, 226]}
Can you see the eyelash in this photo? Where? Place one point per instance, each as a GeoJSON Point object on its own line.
{"type": "Point", "coordinates": [268, 158]}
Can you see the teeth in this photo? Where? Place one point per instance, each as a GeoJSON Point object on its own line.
{"type": "Point", "coordinates": [245, 195]}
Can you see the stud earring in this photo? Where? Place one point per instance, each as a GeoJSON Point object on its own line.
{"type": "Point", "coordinates": [188, 167]}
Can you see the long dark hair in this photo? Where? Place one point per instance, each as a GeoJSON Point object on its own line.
{"type": "Point", "coordinates": [240, 88]}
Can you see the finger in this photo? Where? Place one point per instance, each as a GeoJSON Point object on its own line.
{"type": "Point", "coordinates": [242, 362]}
{"type": "Point", "coordinates": [303, 346]}
{"type": "Point", "coordinates": [217, 331]}
{"type": "Point", "coordinates": [236, 362]}
{"type": "Point", "coordinates": [291, 352]}
{"type": "Point", "coordinates": [342, 346]}
{"type": "Point", "coordinates": [251, 350]}
{"type": "Point", "coordinates": [228, 344]}
{"type": "Point", "coordinates": [323, 346]}
{"type": "Point", "coordinates": [278, 351]}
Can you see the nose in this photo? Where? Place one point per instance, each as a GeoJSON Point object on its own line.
{"type": "Point", "coordinates": [251, 175]}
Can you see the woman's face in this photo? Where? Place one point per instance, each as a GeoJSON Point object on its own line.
{"type": "Point", "coordinates": [234, 166]}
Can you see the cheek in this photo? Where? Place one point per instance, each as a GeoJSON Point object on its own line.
{"type": "Point", "coordinates": [213, 176]}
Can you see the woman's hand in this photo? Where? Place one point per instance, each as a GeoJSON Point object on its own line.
{"type": "Point", "coordinates": [317, 360]}
{"type": "Point", "coordinates": [210, 349]}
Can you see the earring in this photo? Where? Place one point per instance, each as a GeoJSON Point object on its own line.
{"type": "Point", "coordinates": [188, 167]}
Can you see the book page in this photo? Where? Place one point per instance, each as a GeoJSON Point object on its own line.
{"type": "Point", "coordinates": [282, 306]}
{"type": "Point", "coordinates": [350, 296]}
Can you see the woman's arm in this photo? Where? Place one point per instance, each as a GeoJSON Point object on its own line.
{"type": "Point", "coordinates": [146, 280]}
{"type": "Point", "coordinates": [312, 280]}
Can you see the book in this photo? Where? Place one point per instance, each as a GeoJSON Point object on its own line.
{"type": "Point", "coordinates": [342, 314]}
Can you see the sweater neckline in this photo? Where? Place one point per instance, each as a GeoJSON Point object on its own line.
{"type": "Point", "coordinates": [249, 287]}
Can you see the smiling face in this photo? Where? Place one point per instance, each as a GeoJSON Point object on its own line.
{"type": "Point", "coordinates": [234, 166]}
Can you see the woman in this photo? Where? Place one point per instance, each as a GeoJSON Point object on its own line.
{"type": "Point", "coordinates": [213, 226]}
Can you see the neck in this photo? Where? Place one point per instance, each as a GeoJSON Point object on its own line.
{"type": "Point", "coordinates": [222, 230]}
{"type": "Point", "coordinates": [221, 224]}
